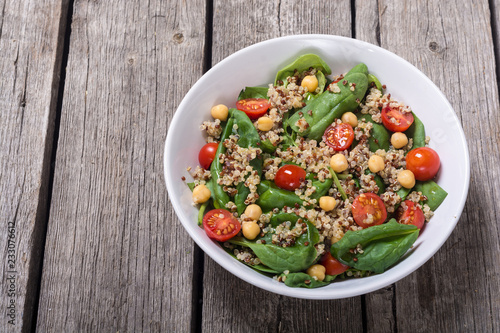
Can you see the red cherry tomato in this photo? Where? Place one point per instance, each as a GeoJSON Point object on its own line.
{"type": "Point", "coordinates": [290, 177]}
{"type": "Point", "coordinates": [332, 265]}
{"type": "Point", "coordinates": [207, 154]}
{"type": "Point", "coordinates": [339, 136]}
{"type": "Point", "coordinates": [368, 210]}
{"type": "Point", "coordinates": [395, 120]}
{"type": "Point", "coordinates": [221, 225]}
{"type": "Point", "coordinates": [253, 107]}
{"type": "Point", "coordinates": [410, 214]}
{"type": "Point", "coordinates": [423, 162]}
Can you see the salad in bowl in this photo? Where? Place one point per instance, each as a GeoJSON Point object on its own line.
{"type": "Point", "coordinates": [316, 177]}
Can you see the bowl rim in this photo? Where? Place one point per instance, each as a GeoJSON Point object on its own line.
{"type": "Point", "coordinates": [241, 269]}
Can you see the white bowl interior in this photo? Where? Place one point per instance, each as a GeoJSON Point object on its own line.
{"type": "Point", "coordinates": [257, 65]}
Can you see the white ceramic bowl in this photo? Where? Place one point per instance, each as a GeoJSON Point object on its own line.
{"type": "Point", "coordinates": [257, 65]}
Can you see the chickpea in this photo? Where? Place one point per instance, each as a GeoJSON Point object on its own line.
{"type": "Point", "coordinates": [220, 112]}
{"type": "Point", "coordinates": [338, 162]}
{"type": "Point", "coordinates": [317, 271]}
{"type": "Point", "coordinates": [201, 194]}
{"type": "Point", "coordinates": [310, 82]}
{"type": "Point", "coordinates": [350, 118]}
{"type": "Point", "coordinates": [250, 230]}
{"type": "Point", "coordinates": [327, 203]}
{"type": "Point", "coordinates": [253, 211]}
{"type": "Point", "coordinates": [265, 124]}
{"type": "Point", "coordinates": [335, 238]}
{"type": "Point", "coordinates": [376, 163]}
{"type": "Point", "coordinates": [399, 140]}
{"type": "Point", "coordinates": [406, 179]}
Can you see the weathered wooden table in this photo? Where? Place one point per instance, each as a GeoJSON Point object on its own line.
{"type": "Point", "coordinates": [88, 238]}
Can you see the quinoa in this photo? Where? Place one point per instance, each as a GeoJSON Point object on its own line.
{"type": "Point", "coordinates": [213, 130]}
{"type": "Point", "coordinates": [199, 174]}
{"type": "Point", "coordinates": [394, 163]}
{"type": "Point", "coordinates": [286, 98]}
{"type": "Point", "coordinates": [236, 164]}
{"type": "Point", "coordinates": [428, 213]}
{"type": "Point", "coordinates": [334, 88]}
{"type": "Point", "coordinates": [375, 102]}
{"type": "Point", "coordinates": [247, 256]}
{"type": "Point", "coordinates": [285, 235]}
{"type": "Point", "coordinates": [391, 200]}
{"type": "Point", "coordinates": [309, 155]}
{"type": "Point", "coordinates": [358, 158]}
{"type": "Point", "coordinates": [271, 166]}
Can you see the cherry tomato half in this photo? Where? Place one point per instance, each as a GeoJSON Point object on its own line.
{"type": "Point", "coordinates": [332, 265]}
{"type": "Point", "coordinates": [339, 136]}
{"type": "Point", "coordinates": [395, 120]}
{"type": "Point", "coordinates": [368, 204]}
{"type": "Point", "coordinates": [410, 214]}
{"type": "Point", "coordinates": [290, 177]}
{"type": "Point", "coordinates": [221, 225]}
{"type": "Point", "coordinates": [253, 107]}
{"type": "Point", "coordinates": [207, 154]}
{"type": "Point", "coordinates": [423, 162]}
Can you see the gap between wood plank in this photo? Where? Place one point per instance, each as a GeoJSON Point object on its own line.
{"type": "Point", "coordinates": [35, 286]}
{"type": "Point", "coordinates": [394, 309]}
{"type": "Point", "coordinates": [364, 317]}
{"type": "Point", "coordinates": [494, 35]}
{"type": "Point", "coordinates": [353, 18]}
{"type": "Point", "coordinates": [198, 254]}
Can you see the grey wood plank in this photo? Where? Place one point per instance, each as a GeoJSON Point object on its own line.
{"type": "Point", "coordinates": [31, 41]}
{"type": "Point", "coordinates": [117, 258]}
{"type": "Point", "coordinates": [380, 316]}
{"type": "Point", "coordinates": [458, 289]}
{"type": "Point", "coordinates": [230, 304]}
{"type": "Point", "coordinates": [344, 315]}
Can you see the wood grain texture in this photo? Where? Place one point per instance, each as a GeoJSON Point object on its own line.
{"type": "Point", "coordinates": [458, 289]}
{"type": "Point", "coordinates": [263, 20]}
{"type": "Point", "coordinates": [117, 258]}
{"type": "Point", "coordinates": [31, 40]}
{"type": "Point", "coordinates": [229, 304]}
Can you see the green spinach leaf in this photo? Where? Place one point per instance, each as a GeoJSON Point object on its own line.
{"type": "Point", "coordinates": [267, 146]}
{"type": "Point", "coordinates": [378, 180]}
{"type": "Point", "coordinates": [434, 193]}
{"type": "Point", "coordinates": [201, 212]}
{"type": "Point", "coordinates": [373, 80]}
{"type": "Point", "coordinates": [253, 92]}
{"type": "Point", "coordinates": [380, 137]}
{"type": "Point", "coordinates": [301, 64]}
{"type": "Point", "coordinates": [321, 111]}
{"type": "Point", "coordinates": [294, 258]}
{"type": "Point", "coordinates": [260, 268]}
{"type": "Point", "coordinates": [383, 245]}
{"type": "Point", "coordinates": [321, 81]}
{"type": "Point", "coordinates": [303, 280]}
{"type": "Point", "coordinates": [220, 197]}
{"type": "Point", "coordinates": [248, 137]}
{"type": "Point", "coordinates": [271, 196]}
{"type": "Point", "coordinates": [416, 132]}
